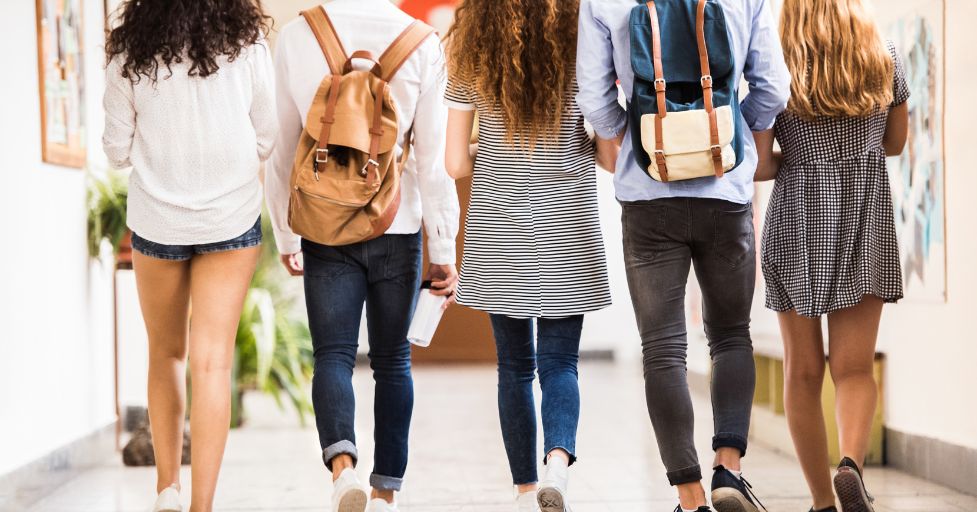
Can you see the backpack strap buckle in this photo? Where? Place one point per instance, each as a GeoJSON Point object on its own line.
{"type": "Point", "coordinates": [322, 155]}
{"type": "Point", "coordinates": [706, 81]}
{"type": "Point", "coordinates": [717, 151]}
{"type": "Point", "coordinates": [660, 85]}
{"type": "Point", "coordinates": [366, 167]}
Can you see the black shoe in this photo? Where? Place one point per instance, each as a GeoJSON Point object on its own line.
{"type": "Point", "coordinates": [851, 488]}
{"type": "Point", "coordinates": [731, 493]}
{"type": "Point", "coordinates": [829, 509]}
{"type": "Point", "coordinates": [700, 509]}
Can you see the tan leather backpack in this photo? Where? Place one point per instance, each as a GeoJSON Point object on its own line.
{"type": "Point", "coordinates": [345, 185]}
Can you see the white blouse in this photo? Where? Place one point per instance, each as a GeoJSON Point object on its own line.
{"type": "Point", "coordinates": [195, 146]}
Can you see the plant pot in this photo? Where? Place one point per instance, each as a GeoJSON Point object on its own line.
{"type": "Point", "coordinates": [124, 258]}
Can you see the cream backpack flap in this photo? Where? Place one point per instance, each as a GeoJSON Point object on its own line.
{"type": "Point", "coordinates": [345, 185]}
{"type": "Point", "coordinates": [684, 109]}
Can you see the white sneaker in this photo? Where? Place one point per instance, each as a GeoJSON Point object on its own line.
{"type": "Point", "coordinates": [553, 489]}
{"type": "Point", "coordinates": [526, 502]}
{"type": "Point", "coordinates": [168, 500]}
{"type": "Point", "coordinates": [347, 493]}
{"type": "Point", "coordinates": [379, 505]}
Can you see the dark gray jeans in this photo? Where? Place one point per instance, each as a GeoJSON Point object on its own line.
{"type": "Point", "coordinates": [662, 240]}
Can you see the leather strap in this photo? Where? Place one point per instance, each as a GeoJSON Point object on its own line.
{"type": "Point", "coordinates": [660, 87]}
{"type": "Point", "coordinates": [325, 34]}
{"type": "Point", "coordinates": [706, 82]}
{"type": "Point", "coordinates": [403, 47]}
{"type": "Point", "coordinates": [376, 131]}
{"type": "Point", "coordinates": [364, 55]}
{"type": "Point", "coordinates": [328, 118]}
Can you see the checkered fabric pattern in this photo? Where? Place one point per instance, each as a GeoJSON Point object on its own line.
{"type": "Point", "coordinates": [829, 237]}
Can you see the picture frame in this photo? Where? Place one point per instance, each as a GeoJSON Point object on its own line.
{"type": "Point", "coordinates": [61, 82]}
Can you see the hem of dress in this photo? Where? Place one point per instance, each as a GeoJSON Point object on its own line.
{"type": "Point", "coordinates": [808, 313]}
{"type": "Point", "coordinates": [522, 314]}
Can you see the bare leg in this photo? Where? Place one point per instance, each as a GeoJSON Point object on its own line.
{"type": "Point", "coordinates": [803, 380]}
{"type": "Point", "coordinates": [219, 283]}
{"type": "Point", "coordinates": [164, 296]}
{"type": "Point", "coordinates": [691, 495]}
{"type": "Point", "coordinates": [852, 335]}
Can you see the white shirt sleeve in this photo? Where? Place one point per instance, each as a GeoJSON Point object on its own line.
{"type": "Point", "coordinates": [263, 116]}
{"type": "Point", "coordinates": [120, 116]}
{"type": "Point", "coordinates": [278, 171]}
{"type": "Point", "coordinates": [439, 197]}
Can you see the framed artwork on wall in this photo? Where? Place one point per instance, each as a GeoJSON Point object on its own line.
{"type": "Point", "coordinates": [61, 79]}
{"type": "Point", "coordinates": [918, 176]}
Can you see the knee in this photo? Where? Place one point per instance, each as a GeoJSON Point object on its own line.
{"type": "Point", "coordinates": [664, 353]}
{"type": "Point", "coordinates": [807, 375]}
{"type": "Point", "coordinates": [212, 361]}
{"type": "Point", "coordinates": [554, 364]}
{"type": "Point", "coordinates": [521, 368]}
{"type": "Point", "coordinates": [335, 354]}
{"type": "Point", "coordinates": [729, 339]}
{"type": "Point", "coordinates": [391, 362]}
{"type": "Point", "coordinates": [845, 371]}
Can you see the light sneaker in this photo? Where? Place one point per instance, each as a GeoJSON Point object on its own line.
{"type": "Point", "coordinates": [347, 493]}
{"type": "Point", "coordinates": [168, 500]}
{"type": "Point", "coordinates": [552, 493]}
{"type": "Point", "coordinates": [379, 505]}
{"type": "Point", "coordinates": [526, 502]}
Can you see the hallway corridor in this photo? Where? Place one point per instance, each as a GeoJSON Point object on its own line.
{"type": "Point", "coordinates": [458, 463]}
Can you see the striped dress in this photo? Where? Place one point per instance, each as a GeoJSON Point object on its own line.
{"type": "Point", "coordinates": [533, 243]}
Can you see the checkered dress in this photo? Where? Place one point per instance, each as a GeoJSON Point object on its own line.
{"type": "Point", "coordinates": [829, 237]}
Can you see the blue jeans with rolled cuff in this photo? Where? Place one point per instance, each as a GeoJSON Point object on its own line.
{"type": "Point", "coordinates": [555, 351]}
{"type": "Point", "coordinates": [383, 274]}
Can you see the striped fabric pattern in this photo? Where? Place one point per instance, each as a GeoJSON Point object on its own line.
{"type": "Point", "coordinates": [533, 243]}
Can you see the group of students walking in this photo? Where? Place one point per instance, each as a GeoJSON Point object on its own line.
{"type": "Point", "coordinates": [195, 102]}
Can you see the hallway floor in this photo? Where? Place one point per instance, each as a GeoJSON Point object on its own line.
{"type": "Point", "coordinates": [458, 463]}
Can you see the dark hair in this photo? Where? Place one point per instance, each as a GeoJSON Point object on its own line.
{"type": "Point", "coordinates": [152, 32]}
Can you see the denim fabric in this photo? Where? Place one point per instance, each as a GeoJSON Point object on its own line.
{"type": "Point", "coordinates": [250, 238]}
{"type": "Point", "coordinates": [385, 275]}
{"type": "Point", "coordinates": [663, 239]}
{"type": "Point", "coordinates": [556, 352]}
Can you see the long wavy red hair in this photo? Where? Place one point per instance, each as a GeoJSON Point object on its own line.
{"type": "Point", "coordinates": [519, 55]}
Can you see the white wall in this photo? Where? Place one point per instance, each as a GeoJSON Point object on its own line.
{"type": "Point", "coordinates": [931, 349]}
{"type": "Point", "coordinates": [56, 374]}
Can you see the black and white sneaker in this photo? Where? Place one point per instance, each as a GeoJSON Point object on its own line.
{"type": "Point", "coordinates": [851, 488]}
{"type": "Point", "coordinates": [731, 493]}
{"type": "Point", "coordinates": [829, 509]}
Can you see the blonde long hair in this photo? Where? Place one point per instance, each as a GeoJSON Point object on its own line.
{"type": "Point", "coordinates": [839, 64]}
{"type": "Point", "coordinates": [520, 56]}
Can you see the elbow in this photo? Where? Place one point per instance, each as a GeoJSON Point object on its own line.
{"type": "Point", "coordinates": [455, 169]}
{"type": "Point", "coordinates": [894, 147]}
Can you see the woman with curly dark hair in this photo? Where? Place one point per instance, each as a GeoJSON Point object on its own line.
{"type": "Point", "coordinates": [534, 254]}
{"type": "Point", "coordinates": [189, 105]}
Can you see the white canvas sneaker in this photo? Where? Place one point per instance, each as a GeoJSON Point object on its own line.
{"type": "Point", "coordinates": [347, 493]}
{"type": "Point", "coordinates": [379, 505]}
{"type": "Point", "coordinates": [553, 489]}
{"type": "Point", "coordinates": [168, 501]}
{"type": "Point", "coordinates": [526, 502]}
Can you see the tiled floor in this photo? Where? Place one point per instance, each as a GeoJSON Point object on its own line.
{"type": "Point", "coordinates": [458, 463]}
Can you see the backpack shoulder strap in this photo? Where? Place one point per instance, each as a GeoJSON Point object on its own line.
{"type": "Point", "coordinates": [328, 39]}
{"type": "Point", "coordinates": [660, 88]}
{"type": "Point", "coordinates": [403, 47]}
{"type": "Point", "coordinates": [706, 81]}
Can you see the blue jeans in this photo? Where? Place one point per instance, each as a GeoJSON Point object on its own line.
{"type": "Point", "coordinates": [556, 352]}
{"type": "Point", "coordinates": [385, 275]}
{"type": "Point", "coordinates": [248, 239]}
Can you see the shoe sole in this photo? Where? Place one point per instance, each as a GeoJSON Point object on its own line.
{"type": "Point", "coordinates": [851, 492]}
{"type": "Point", "coordinates": [730, 500]}
{"type": "Point", "coordinates": [354, 500]}
{"type": "Point", "coordinates": [551, 499]}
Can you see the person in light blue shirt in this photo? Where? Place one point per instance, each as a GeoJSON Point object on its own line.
{"type": "Point", "coordinates": [670, 227]}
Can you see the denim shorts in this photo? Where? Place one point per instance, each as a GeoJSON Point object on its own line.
{"type": "Point", "coordinates": [250, 238]}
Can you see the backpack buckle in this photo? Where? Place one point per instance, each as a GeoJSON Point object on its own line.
{"type": "Point", "coordinates": [706, 81]}
{"type": "Point", "coordinates": [660, 85]}
{"type": "Point", "coordinates": [717, 151]}
{"type": "Point", "coordinates": [365, 170]}
{"type": "Point", "coordinates": [322, 155]}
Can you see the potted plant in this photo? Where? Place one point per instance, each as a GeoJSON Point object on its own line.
{"type": "Point", "coordinates": [107, 198]}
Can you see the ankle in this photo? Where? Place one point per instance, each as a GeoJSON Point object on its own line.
{"type": "Point", "coordinates": [558, 455]}
{"type": "Point", "coordinates": [339, 464]}
{"type": "Point", "coordinates": [387, 496]}
{"type": "Point", "coordinates": [524, 488]}
{"type": "Point", "coordinates": [691, 496]}
{"type": "Point", "coordinates": [729, 458]}
{"type": "Point", "coordinates": [160, 487]}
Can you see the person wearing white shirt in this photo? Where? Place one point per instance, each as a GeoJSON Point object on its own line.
{"type": "Point", "coordinates": [384, 273]}
{"type": "Point", "coordinates": [189, 105]}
